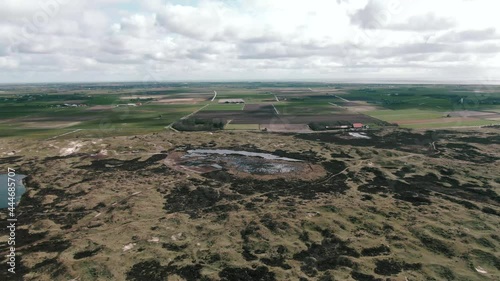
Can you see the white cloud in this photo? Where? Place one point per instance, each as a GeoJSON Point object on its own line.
{"type": "Point", "coordinates": [56, 40]}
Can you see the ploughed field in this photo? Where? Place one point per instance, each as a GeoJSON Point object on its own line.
{"type": "Point", "coordinates": [387, 204]}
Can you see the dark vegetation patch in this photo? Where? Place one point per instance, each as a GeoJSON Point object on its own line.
{"type": "Point", "coordinates": [247, 254]}
{"type": "Point", "coordinates": [415, 192]}
{"type": "Point", "coordinates": [358, 276]}
{"type": "Point", "coordinates": [23, 237]}
{"type": "Point", "coordinates": [401, 140]}
{"type": "Point", "coordinates": [110, 165]}
{"type": "Point", "coordinates": [405, 140]}
{"type": "Point", "coordinates": [58, 157]}
{"type": "Point", "coordinates": [152, 270]}
{"type": "Point", "coordinates": [324, 126]}
{"type": "Point", "coordinates": [273, 224]}
{"type": "Point", "coordinates": [484, 258]}
{"type": "Point", "coordinates": [433, 244]}
{"type": "Point", "coordinates": [443, 272]}
{"type": "Point", "coordinates": [466, 204]}
{"type": "Point", "coordinates": [467, 152]}
{"type": "Point", "coordinates": [277, 257]}
{"type": "Point", "coordinates": [59, 212]}
{"type": "Point", "coordinates": [147, 270]}
{"type": "Point", "coordinates": [334, 166]}
{"type": "Point", "coordinates": [309, 156]}
{"type": "Point", "coordinates": [417, 189]}
{"type": "Point", "coordinates": [200, 124]}
{"type": "Point", "coordinates": [10, 159]}
{"type": "Point", "coordinates": [276, 188]}
{"type": "Point", "coordinates": [52, 266]}
{"type": "Point", "coordinates": [67, 220]}
{"type": "Point", "coordinates": [376, 251]}
{"type": "Point", "coordinates": [341, 154]}
{"type": "Point", "coordinates": [261, 273]}
{"type": "Point", "coordinates": [451, 181]}
{"type": "Point", "coordinates": [330, 254]}
{"type": "Point", "coordinates": [492, 139]}
{"type": "Point", "coordinates": [392, 266]}
{"type": "Point", "coordinates": [491, 211]}
{"type": "Point", "coordinates": [485, 243]}
{"type": "Point", "coordinates": [208, 257]}
{"type": "Point", "coordinates": [401, 173]}
{"type": "Point", "coordinates": [174, 247]}
{"type": "Point", "coordinates": [55, 244]}
{"type": "Point", "coordinates": [194, 200]}
{"type": "Point", "coordinates": [86, 253]}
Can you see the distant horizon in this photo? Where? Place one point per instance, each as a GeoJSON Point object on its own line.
{"type": "Point", "coordinates": [318, 81]}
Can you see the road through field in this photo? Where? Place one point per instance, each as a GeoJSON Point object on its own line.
{"type": "Point", "coordinates": [169, 126]}
{"type": "Point", "coordinates": [215, 95]}
{"type": "Point", "coordinates": [77, 130]}
{"type": "Point", "coordinates": [277, 112]}
{"type": "Point", "coordinates": [341, 98]}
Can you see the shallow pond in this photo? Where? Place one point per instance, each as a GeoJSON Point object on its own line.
{"type": "Point", "coordinates": [244, 161]}
{"type": "Point", "coordinates": [242, 153]}
{"type": "Point", "coordinates": [20, 189]}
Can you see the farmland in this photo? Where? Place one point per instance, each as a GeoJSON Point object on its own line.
{"type": "Point", "coordinates": [128, 108]}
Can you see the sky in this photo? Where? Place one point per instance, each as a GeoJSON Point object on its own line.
{"type": "Point", "coordinates": [249, 40]}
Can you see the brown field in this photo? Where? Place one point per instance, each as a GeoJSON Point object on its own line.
{"type": "Point", "coordinates": [100, 107]}
{"type": "Point", "coordinates": [360, 106]}
{"type": "Point", "coordinates": [297, 128]}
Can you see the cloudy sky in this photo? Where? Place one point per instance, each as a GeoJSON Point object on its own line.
{"type": "Point", "coordinates": [328, 40]}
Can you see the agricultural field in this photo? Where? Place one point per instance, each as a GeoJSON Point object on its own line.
{"type": "Point", "coordinates": [126, 108]}
{"type": "Point", "coordinates": [432, 106]}
{"type": "Point", "coordinates": [231, 107]}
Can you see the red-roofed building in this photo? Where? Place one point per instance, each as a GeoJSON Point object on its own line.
{"type": "Point", "coordinates": [357, 125]}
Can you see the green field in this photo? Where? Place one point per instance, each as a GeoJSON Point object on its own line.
{"type": "Point", "coordinates": [40, 110]}
{"type": "Point", "coordinates": [223, 106]}
{"type": "Point", "coordinates": [404, 114]}
{"type": "Point", "coordinates": [307, 107]}
{"type": "Point", "coordinates": [242, 127]}
{"type": "Point", "coordinates": [464, 123]}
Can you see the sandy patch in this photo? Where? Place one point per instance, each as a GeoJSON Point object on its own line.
{"type": "Point", "coordinates": [154, 239]}
{"type": "Point", "coordinates": [128, 247]}
{"type": "Point", "coordinates": [480, 270]}
{"type": "Point", "coordinates": [73, 147]}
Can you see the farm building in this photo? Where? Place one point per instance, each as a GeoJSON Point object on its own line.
{"type": "Point", "coordinates": [357, 125]}
{"type": "Point", "coordinates": [231, 101]}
